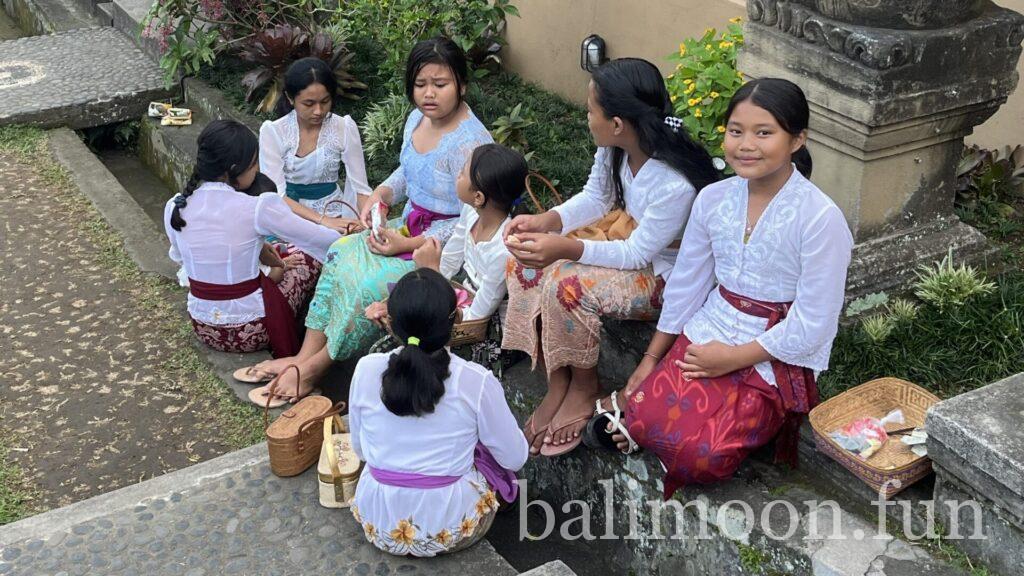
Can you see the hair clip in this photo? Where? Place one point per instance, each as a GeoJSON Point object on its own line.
{"type": "Point", "coordinates": [180, 201]}
{"type": "Point", "coordinates": [517, 202]}
{"type": "Point", "coordinates": [674, 123]}
{"type": "Point", "coordinates": [412, 341]}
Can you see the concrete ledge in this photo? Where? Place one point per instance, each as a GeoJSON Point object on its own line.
{"type": "Point", "coordinates": [146, 245]}
{"type": "Point", "coordinates": [556, 568]}
{"type": "Point", "coordinates": [62, 519]}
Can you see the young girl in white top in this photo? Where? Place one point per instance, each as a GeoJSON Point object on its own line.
{"type": "Point", "coordinates": [303, 149]}
{"type": "Point", "coordinates": [435, 431]}
{"type": "Point", "coordinates": [217, 235]}
{"type": "Point", "coordinates": [490, 186]}
{"type": "Point", "coordinates": [752, 307]}
{"type": "Point", "coordinates": [561, 287]}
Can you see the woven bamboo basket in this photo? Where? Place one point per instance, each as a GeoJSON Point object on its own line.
{"type": "Point", "coordinates": [339, 468]}
{"type": "Point", "coordinates": [893, 467]}
{"type": "Point", "coordinates": [294, 438]}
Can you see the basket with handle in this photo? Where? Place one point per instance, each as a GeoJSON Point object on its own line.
{"type": "Point", "coordinates": [893, 467]}
{"type": "Point", "coordinates": [339, 467]}
{"type": "Point", "coordinates": [294, 438]}
{"type": "Point", "coordinates": [537, 205]}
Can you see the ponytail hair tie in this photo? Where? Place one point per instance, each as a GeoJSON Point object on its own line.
{"type": "Point", "coordinates": [180, 201]}
{"type": "Point", "coordinates": [517, 202]}
{"type": "Point", "coordinates": [674, 123]}
{"type": "Point", "coordinates": [412, 341]}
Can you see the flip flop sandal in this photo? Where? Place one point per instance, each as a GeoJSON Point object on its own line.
{"type": "Point", "coordinates": [559, 449]}
{"type": "Point", "coordinates": [596, 434]}
{"type": "Point", "coordinates": [258, 396]}
{"type": "Point", "coordinates": [252, 375]}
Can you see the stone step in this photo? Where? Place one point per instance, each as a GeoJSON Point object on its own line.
{"type": "Point", "coordinates": [228, 515]}
{"type": "Point", "coordinates": [49, 16]}
{"type": "Point", "coordinates": [127, 17]}
{"type": "Point", "coordinates": [555, 568]}
{"type": "Point", "coordinates": [104, 12]}
{"type": "Point", "coordinates": [80, 78]}
{"type": "Point", "coordinates": [775, 541]}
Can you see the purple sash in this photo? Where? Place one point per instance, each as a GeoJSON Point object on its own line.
{"type": "Point", "coordinates": [419, 220]}
{"type": "Point", "coordinates": [503, 481]}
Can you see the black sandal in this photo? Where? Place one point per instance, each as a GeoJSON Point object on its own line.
{"type": "Point", "coordinates": [596, 433]}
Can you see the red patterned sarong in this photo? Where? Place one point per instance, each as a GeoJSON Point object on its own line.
{"type": "Point", "coordinates": [703, 429]}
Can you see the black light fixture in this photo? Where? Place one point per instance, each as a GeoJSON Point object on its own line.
{"type": "Point", "coordinates": [592, 52]}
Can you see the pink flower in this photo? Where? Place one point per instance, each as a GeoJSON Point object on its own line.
{"type": "Point", "coordinates": [212, 8]}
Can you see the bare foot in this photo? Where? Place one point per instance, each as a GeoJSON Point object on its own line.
{"type": "Point", "coordinates": [285, 386]}
{"type": "Point", "coordinates": [578, 402]}
{"type": "Point", "coordinates": [276, 366]}
{"type": "Point", "coordinates": [540, 419]}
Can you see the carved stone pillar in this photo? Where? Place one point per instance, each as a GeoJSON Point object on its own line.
{"type": "Point", "coordinates": [894, 87]}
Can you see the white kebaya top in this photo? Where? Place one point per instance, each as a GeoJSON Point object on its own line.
{"type": "Point", "coordinates": [658, 198]}
{"type": "Point", "coordinates": [338, 144]}
{"type": "Point", "coordinates": [221, 242]}
{"type": "Point", "coordinates": [473, 409]}
{"type": "Point", "coordinates": [798, 252]}
{"type": "Point", "coordinates": [484, 263]}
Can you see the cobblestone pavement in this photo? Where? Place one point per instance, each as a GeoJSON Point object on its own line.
{"type": "Point", "coordinates": [85, 402]}
{"type": "Point", "coordinates": [80, 78]}
{"type": "Point", "coordinates": [245, 522]}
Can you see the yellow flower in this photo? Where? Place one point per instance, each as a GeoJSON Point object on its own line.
{"type": "Point", "coordinates": [405, 533]}
{"type": "Point", "coordinates": [707, 30]}
{"type": "Point", "coordinates": [715, 95]}
{"type": "Point", "coordinates": [444, 538]}
{"type": "Point", "coordinates": [371, 532]}
{"type": "Point", "coordinates": [467, 527]}
{"type": "Point", "coordinates": [721, 129]}
{"type": "Point", "coordinates": [688, 81]}
{"type": "Point", "coordinates": [693, 102]}
{"type": "Point", "coordinates": [697, 113]}
{"type": "Point", "coordinates": [690, 89]}
{"type": "Point", "coordinates": [708, 47]}
{"type": "Point", "coordinates": [673, 97]}
{"type": "Point", "coordinates": [671, 76]}
{"type": "Point", "coordinates": [724, 45]}
{"type": "Point", "coordinates": [682, 49]}
{"type": "Point", "coordinates": [735, 20]}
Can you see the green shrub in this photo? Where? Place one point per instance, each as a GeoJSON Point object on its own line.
{"type": "Point", "coordinates": [510, 129]}
{"type": "Point", "coordinates": [475, 25]}
{"type": "Point", "coordinates": [382, 127]}
{"type": "Point", "coordinates": [946, 348]}
{"type": "Point", "coordinates": [704, 79]}
{"type": "Point", "coordinates": [989, 183]}
{"type": "Point", "coordinates": [948, 286]}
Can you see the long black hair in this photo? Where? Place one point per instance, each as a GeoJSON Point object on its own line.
{"type": "Point", "coordinates": [226, 148]}
{"type": "Point", "coordinates": [439, 50]}
{"type": "Point", "coordinates": [422, 308]}
{"type": "Point", "coordinates": [499, 173]}
{"type": "Point", "coordinates": [302, 74]}
{"type": "Point", "coordinates": [633, 89]}
{"type": "Point", "coordinates": [786, 103]}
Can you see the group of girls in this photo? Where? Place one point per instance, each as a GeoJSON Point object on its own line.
{"type": "Point", "coordinates": [745, 277]}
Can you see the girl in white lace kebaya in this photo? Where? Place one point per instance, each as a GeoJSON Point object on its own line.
{"type": "Point", "coordinates": [751, 308]}
{"type": "Point", "coordinates": [303, 150]}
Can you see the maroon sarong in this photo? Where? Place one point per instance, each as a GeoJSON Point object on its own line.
{"type": "Point", "coordinates": [703, 429]}
{"type": "Point", "coordinates": [279, 318]}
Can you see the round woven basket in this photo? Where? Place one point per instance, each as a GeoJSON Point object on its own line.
{"type": "Point", "coordinates": [893, 467]}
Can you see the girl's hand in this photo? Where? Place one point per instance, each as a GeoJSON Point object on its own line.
{"type": "Point", "coordinates": [709, 360]}
{"type": "Point", "coordinates": [390, 243]}
{"type": "Point", "coordinates": [428, 255]}
{"type": "Point", "coordinates": [293, 260]}
{"type": "Point", "coordinates": [535, 250]}
{"type": "Point", "coordinates": [372, 203]}
{"type": "Point", "coordinates": [377, 312]}
{"type": "Point", "coordinates": [344, 226]}
{"type": "Point", "coordinates": [534, 223]}
{"type": "Point", "coordinates": [642, 371]}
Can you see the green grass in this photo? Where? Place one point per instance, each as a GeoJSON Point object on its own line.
{"type": "Point", "coordinates": [561, 142]}
{"type": "Point", "coordinates": [239, 424]}
{"type": "Point", "coordinates": [947, 351]}
{"type": "Point", "coordinates": [16, 496]}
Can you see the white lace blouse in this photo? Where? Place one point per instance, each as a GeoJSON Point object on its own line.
{"type": "Point", "coordinates": [221, 241]}
{"type": "Point", "coordinates": [338, 144]}
{"type": "Point", "coordinates": [798, 252]}
{"type": "Point", "coordinates": [473, 409]}
{"type": "Point", "coordinates": [484, 263]}
{"type": "Point", "coordinates": [658, 198]}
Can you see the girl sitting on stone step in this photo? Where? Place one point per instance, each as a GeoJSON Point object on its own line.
{"type": "Point", "coordinates": [439, 136]}
{"type": "Point", "coordinates": [217, 236]}
{"type": "Point", "coordinates": [751, 308]}
{"type": "Point", "coordinates": [304, 148]}
{"type": "Point", "coordinates": [440, 442]}
{"type": "Point", "coordinates": [649, 170]}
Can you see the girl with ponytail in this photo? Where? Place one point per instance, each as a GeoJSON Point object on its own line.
{"type": "Point", "coordinates": [440, 442]}
{"type": "Point", "coordinates": [647, 167]}
{"type": "Point", "coordinates": [750, 310]}
{"type": "Point", "coordinates": [216, 234]}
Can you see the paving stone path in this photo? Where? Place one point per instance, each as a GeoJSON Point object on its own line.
{"type": "Point", "coordinates": [80, 78]}
{"type": "Point", "coordinates": [85, 402]}
{"type": "Point", "coordinates": [226, 516]}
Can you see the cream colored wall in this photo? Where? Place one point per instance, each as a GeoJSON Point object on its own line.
{"type": "Point", "coordinates": [1006, 128]}
{"type": "Point", "coordinates": [544, 45]}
